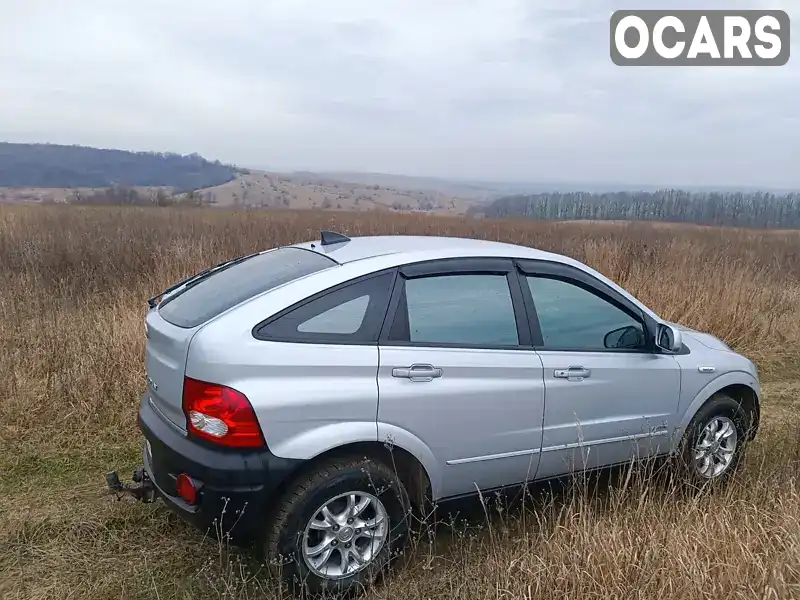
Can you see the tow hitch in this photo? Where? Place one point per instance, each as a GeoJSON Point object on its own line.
{"type": "Point", "coordinates": [142, 487]}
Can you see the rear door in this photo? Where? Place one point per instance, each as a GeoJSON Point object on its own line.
{"type": "Point", "coordinates": [458, 372]}
{"type": "Point", "coordinates": [310, 370]}
{"type": "Point", "coordinates": [610, 397]}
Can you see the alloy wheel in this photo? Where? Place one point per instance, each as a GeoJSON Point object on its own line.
{"type": "Point", "coordinates": [715, 448]}
{"type": "Point", "coordinates": [345, 535]}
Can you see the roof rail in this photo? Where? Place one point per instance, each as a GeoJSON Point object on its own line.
{"type": "Point", "coordinates": [331, 237]}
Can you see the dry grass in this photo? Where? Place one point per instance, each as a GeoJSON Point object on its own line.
{"type": "Point", "coordinates": [74, 283]}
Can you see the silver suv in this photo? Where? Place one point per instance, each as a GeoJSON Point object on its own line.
{"type": "Point", "coordinates": [312, 397]}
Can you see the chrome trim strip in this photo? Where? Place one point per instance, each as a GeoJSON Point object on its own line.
{"type": "Point", "coordinates": [461, 461]}
{"type": "Point", "coordinates": [623, 438]}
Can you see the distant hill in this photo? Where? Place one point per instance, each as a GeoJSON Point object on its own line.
{"type": "Point", "coordinates": [50, 173]}
{"type": "Point", "coordinates": [464, 189]}
{"type": "Point", "coordinates": [57, 166]}
{"type": "Point", "coordinates": [312, 191]}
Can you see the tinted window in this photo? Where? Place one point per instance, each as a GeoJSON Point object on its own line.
{"type": "Point", "coordinates": [228, 287]}
{"type": "Point", "coordinates": [349, 314]}
{"type": "Point", "coordinates": [343, 318]}
{"type": "Point", "coordinates": [572, 317]}
{"type": "Point", "coordinates": [457, 309]}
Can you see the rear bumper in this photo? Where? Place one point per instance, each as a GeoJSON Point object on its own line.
{"type": "Point", "coordinates": [234, 487]}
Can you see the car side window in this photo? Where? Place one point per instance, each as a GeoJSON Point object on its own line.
{"type": "Point", "coordinates": [342, 319]}
{"type": "Point", "coordinates": [462, 310]}
{"type": "Point", "coordinates": [573, 318]}
{"type": "Point", "coordinates": [350, 314]}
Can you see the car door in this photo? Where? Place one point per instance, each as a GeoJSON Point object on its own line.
{"type": "Point", "coordinates": [458, 372]}
{"type": "Point", "coordinates": [311, 369]}
{"type": "Point", "coordinates": [610, 397]}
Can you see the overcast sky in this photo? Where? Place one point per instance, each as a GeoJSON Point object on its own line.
{"type": "Point", "coordinates": [481, 89]}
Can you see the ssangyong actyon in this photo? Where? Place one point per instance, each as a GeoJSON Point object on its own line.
{"type": "Point", "coordinates": [311, 397]}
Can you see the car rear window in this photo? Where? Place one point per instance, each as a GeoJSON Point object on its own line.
{"type": "Point", "coordinates": [230, 286]}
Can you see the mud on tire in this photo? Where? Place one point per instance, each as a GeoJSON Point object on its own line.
{"type": "Point", "coordinates": [336, 480]}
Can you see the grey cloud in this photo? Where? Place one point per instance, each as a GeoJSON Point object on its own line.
{"type": "Point", "coordinates": [503, 89]}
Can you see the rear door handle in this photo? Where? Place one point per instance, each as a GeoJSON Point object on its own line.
{"type": "Point", "coordinates": [417, 372]}
{"type": "Point", "coordinates": [572, 373]}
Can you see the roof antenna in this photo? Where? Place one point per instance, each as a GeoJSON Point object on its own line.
{"type": "Point", "coordinates": [331, 237]}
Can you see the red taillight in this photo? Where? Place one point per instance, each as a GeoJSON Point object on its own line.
{"type": "Point", "coordinates": [186, 488]}
{"type": "Point", "coordinates": [220, 414]}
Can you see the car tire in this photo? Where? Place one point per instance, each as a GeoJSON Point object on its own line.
{"type": "Point", "coordinates": [291, 537]}
{"type": "Point", "coordinates": [714, 442]}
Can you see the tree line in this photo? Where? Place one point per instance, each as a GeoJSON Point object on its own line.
{"type": "Point", "coordinates": [736, 209]}
{"type": "Point", "coordinates": [125, 196]}
{"type": "Point", "coordinates": [57, 166]}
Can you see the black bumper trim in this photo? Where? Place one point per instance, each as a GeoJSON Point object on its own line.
{"type": "Point", "coordinates": [234, 486]}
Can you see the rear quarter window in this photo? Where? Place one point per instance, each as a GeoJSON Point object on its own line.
{"type": "Point", "coordinates": [226, 288]}
{"type": "Point", "coordinates": [349, 314]}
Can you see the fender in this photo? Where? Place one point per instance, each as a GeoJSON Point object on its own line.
{"type": "Point", "coordinates": [311, 443]}
{"type": "Point", "coordinates": [711, 388]}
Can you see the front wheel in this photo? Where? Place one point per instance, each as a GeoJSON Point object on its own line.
{"type": "Point", "coordinates": [714, 441]}
{"type": "Point", "coordinates": [339, 526]}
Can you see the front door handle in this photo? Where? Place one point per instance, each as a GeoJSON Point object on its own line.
{"type": "Point", "coordinates": [572, 373]}
{"type": "Point", "coordinates": [417, 372]}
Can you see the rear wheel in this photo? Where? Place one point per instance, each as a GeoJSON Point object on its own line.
{"type": "Point", "coordinates": [714, 441]}
{"type": "Point", "coordinates": [339, 526]}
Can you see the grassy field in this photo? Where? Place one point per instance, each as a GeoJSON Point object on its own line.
{"type": "Point", "coordinates": [73, 284]}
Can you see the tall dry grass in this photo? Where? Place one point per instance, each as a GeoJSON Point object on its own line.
{"type": "Point", "coordinates": [73, 285]}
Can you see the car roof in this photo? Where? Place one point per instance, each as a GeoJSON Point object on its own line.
{"type": "Point", "coordinates": [384, 251]}
{"type": "Point", "coordinates": [411, 246]}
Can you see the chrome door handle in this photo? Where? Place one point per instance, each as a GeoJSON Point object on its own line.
{"type": "Point", "coordinates": [417, 372]}
{"type": "Point", "coordinates": [572, 373]}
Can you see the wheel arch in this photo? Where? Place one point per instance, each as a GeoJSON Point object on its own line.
{"type": "Point", "coordinates": [409, 468]}
{"type": "Point", "coordinates": [749, 400]}
{"type": "Point", "coordinates": [335, 439]}
{"type": "Point", "coordinates": [739, 385]}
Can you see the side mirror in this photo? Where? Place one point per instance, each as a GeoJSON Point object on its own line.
{"type": "Point", "coordinates": [624, 337]}
{"type": "Point", "coordinates": [669, 338]}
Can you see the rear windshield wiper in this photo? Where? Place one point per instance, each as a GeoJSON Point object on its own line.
{"type": "Point", "coordinates": [194, 279]}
